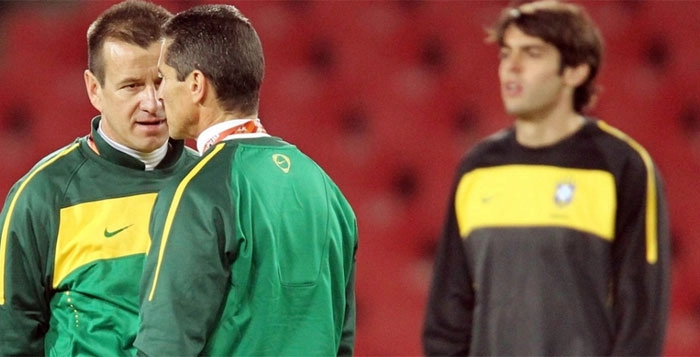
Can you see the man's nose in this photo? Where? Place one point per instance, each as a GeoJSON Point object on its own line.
{"type": "Point", "coordinates": [150, 101]}
{"type": "Point", "coordinates": [513, 62]}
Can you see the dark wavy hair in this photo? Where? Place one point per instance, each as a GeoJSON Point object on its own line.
{"type": "Point", "coordinates": [567, 27]}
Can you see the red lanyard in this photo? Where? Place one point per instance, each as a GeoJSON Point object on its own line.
{"type": "Point", "coordinates": [251, 126]}
{"type": "Point", "coordinates": [91, 143]}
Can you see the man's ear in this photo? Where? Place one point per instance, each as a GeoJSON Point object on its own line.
{"type": "Point", "coordinates": [575, 76]}
{"type": "Point", "coordinates": [197, 84]}
{"type": "Point", "coordinates": [94, 89]}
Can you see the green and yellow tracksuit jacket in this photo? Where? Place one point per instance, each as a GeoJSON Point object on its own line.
{"type": "Point", "coordinates": [74, 233]}
{"type": "Point", "coordinates": [559, 250]}
{"type": "Point", "coordinates": [253, 254]}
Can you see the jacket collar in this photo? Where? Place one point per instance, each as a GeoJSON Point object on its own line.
{"type": "Point", "coordinates": [106, 151]}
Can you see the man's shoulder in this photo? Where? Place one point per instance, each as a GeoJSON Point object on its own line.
{"type": "Point", "coordinates": [612, 141]}
{"type": "Point", "coordinates": [60, 160]}
{"type": "Point", "coordinates": [49, 174]}
{"type": "Point", "coordinates": [497, 142]}
{"type": "Point", "coordinates": [498, 138]}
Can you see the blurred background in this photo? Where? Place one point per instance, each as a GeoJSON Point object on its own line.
{"type": "Point", "coordinates": [387, 96]}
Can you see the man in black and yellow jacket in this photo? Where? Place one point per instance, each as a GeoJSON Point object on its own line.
{"type": "Point", "coordinates": [556, 240]}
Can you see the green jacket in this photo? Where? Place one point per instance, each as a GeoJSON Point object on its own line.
{"type": "Point", "coordinates": [253, 253]}
{"type": "Point", "coordinates": [72, 246]}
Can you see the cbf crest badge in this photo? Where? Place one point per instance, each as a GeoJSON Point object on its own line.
{"type": "Point", "coordinates": [564, 193]}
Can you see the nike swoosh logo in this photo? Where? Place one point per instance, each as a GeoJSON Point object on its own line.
{"type": "Point", "coordinates": [282, 161]}
{"type": "Point", "coordinates": [487, 199]}
{"type": "Point", "coordinates": [111, 234]}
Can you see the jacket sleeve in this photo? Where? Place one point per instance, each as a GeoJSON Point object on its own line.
{"type": "Point", "coordinates": [346, 346]}
{"type": "Point", "coordinates": [24, 312]}
{"type": "Point", "coordinates": [347, 340]}
{"type": "Point", "coordinates": [641, 262]}
{"type": "Point", "coordinates": [186, 274]}
{"type": "Point", "coordinates": [448, 319]}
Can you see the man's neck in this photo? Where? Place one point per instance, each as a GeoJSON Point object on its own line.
{"type": "Point", "coordinates": [547, 130]}
{"type": "Point", "coordinates": [210, 118]}
{"type": "Point", "coordinates": [234, 128]}
{"type": "Point", "coordinates": [149, 159]}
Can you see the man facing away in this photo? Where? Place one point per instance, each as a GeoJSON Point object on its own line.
{"type": "Point", "coordinates": [253, 251]}
{"type": "Point", "coordinates": [74, 229]}
{"type": "Point", "coordinates": [557, 237]}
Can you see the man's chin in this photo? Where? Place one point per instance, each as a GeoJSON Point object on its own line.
{"type": "Point", "coordinates": [513, 111]}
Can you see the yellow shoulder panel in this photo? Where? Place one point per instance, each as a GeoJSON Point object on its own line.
{"type": "Point", "coordinates": [105, 229]}
{"type": "Point", "coordinates": [537, 196]}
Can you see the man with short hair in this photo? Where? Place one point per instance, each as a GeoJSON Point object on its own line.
{"type": "Point", "coordinates": [74, 229]}
{"type": "Point", "coordinates": [253, 251]}
{"type": "Point", "coordinates": [557, 237]}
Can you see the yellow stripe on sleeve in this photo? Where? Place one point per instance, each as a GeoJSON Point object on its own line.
{"type": "Point", "coordinates": [651, 209]}
{"type": "Point", "coordinates": [171, 213]}
{"type": "Point", "coordinates": [10, 210]}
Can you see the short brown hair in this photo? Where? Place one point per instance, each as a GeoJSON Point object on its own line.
{"type": "Point", "coordinates": [567, 27]}
{"type": "Point", "coordinates": [132, 21]}
{"type": "Point", "coordinates": [221, 43]}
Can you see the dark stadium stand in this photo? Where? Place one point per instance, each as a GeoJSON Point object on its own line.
{"type": "Point", "coordinates": [387, 96]}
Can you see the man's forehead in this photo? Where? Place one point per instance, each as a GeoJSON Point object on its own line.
{"type": "Point", "coordinates": [515, 37]}
{"type": "Point", "coordinates": [127, 62]}
{"type": "Point", "coordinates": [124, 51]}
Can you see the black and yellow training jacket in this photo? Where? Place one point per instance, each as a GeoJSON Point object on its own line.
{"type": "Point", "coordinates": [561, 250]}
